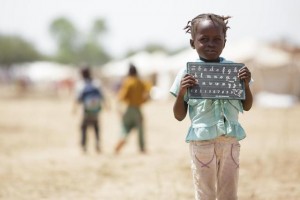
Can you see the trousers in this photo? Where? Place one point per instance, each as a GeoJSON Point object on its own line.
{"type": "Point", "coordinates": [215, 168]}
{"type": "Point", "coordinates": [131, 119]}
{"type": "Point", "coordinates": [86, 122]}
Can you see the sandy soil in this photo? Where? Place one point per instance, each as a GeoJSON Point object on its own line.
{"type": "Point", "coordinates": [40, 156]}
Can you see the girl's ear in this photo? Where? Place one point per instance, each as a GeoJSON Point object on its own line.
{"type": "Point", "coordinates": [192, 43]}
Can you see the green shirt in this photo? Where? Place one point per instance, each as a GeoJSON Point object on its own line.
{"type": "Point", "coordinates": [211, 118]}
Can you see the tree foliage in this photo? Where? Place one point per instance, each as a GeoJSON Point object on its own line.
{"type": "Point", "coordinates": [91, 50]}
{"type": "Point", "coordinates": [78, 48]}
{"type": "Point", "coordinates": [14, 49]}
{"type": "Point", "coordinates": [65, 34]}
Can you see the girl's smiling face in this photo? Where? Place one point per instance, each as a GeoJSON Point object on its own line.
{"type": "Point", "coordinates": [208, 39]}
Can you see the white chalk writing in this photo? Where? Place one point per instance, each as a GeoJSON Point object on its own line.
{"type": "Point", "coordinates": [216, 80]}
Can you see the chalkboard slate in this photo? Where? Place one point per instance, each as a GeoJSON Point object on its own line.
{"type": "Point", "coordinates": [216, 81]}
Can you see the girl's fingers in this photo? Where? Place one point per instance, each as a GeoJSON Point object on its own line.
{"type": "Point", "coordinates": [188, 81]}
{"type": "Point", "coordinates": [244, 73]}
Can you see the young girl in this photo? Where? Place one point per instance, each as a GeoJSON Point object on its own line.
{"type": "Point", "coordinates": [215, 131]}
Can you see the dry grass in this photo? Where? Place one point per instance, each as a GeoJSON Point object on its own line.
{"type": "Point", "coordinates": [40, 156]}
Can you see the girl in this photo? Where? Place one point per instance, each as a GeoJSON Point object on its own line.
{"type": "Point", "coordinates": [215, 131]}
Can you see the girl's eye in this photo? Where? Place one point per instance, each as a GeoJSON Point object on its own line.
{"type": "Point", "coordinates": [218, 39]}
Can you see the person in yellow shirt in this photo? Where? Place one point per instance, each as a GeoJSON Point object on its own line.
{"type": "Point", "coordinates": [134, 93]}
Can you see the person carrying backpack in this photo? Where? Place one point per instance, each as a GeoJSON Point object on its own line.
{"type": "Point", "coordinates": [90, 96]}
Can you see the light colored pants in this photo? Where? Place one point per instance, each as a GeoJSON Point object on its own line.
{"type": "Point", "coordinates": [215, 168]}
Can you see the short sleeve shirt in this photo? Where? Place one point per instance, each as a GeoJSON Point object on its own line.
{"type": "Point", "coordinates": [211, 118]}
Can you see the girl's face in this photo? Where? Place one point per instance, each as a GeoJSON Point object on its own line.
{"type": "Point", "coordinates": [208, 40]}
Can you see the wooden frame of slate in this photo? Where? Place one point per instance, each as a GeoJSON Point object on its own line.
{"type": "Point", "coordinates": [216, 81]}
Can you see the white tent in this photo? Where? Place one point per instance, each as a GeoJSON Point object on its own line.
{"type": "Point", "coordinates": [241, 51]}
{"type": "Point", "coordinates": [269, 57]}
{"type": "Point", "coordinates": [146, 64]}
{"type": "Point", "coordinates": [275, 72]}
{"type": "Point", "coordinates": [176, 62]}
{"type": "Point", "coordinates": [39, 72]}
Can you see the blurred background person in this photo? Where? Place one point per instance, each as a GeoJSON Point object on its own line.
{"type": "Point", "coordinates": [134, 93]}
{"type": "Point", "coordinates": [90, 96]}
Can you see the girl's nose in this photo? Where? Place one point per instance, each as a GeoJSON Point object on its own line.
{"type": "Point", "coordinates": [211, 43]}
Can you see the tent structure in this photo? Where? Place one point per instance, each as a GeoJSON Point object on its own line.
{"type": "Point", "coordinates": [275, 71]}
{"type": "Point", "coordinates": [43, 72]}
{"type": "Point", "coordinates": [146, 64]}
{"type": "Point", "coordinates": [46, 77]}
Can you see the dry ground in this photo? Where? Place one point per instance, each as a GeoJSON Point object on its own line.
{"type": "Point", "coordinates": [40, 156]}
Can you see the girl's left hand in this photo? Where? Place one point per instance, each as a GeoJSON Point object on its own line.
{"type": "Point", "coordinates": [245, 74]}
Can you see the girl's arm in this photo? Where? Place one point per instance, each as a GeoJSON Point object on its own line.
{"type": "Point", "coordinates": [247, 103]}
{"type": "Point", "coordinates": [245, 74]}
{"type": "Point", "coordinates": [180, 106]}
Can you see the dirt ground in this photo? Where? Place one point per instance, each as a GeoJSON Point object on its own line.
{"type": "Point", "coordinates": [40, 156]}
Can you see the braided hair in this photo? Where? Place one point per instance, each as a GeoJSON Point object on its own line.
{"type": "Point", "coordinates": [220, 20]}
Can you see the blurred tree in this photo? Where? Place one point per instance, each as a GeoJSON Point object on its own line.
{"type": "Point", "coordinates": [14, 49]}
{"type": "Point", "coordinates": [92, 54]}
{"type": "Point", "coordinates": [155, 47]}
{"type": "Point", "coordinates": [99, 28]}
{"type": "Point", "coordinates": [74, 47]}
{"type": "Point", "coordinates": [65, 34]}
{"type": "Point", "coordinates": [92, 51]}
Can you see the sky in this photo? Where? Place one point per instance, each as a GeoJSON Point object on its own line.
{"type": "Point", "coordinates": [132, 24]}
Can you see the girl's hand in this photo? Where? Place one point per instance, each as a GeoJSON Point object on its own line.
{"type": "Point", "coordinates": [186, 82]}
{"type": "Point", "coordinates": [245, 74]}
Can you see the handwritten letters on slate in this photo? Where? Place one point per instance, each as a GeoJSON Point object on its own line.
{"type": "Point", "coordinates": [216, 80]}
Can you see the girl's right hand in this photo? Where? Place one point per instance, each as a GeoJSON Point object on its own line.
{"type": "Point", "coordinates": [186, 82]}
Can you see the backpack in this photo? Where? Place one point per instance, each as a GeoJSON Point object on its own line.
{"type": "Point", "coordinates": [91, 98]}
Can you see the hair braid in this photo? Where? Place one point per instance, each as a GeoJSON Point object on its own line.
{"type": "Point", "coordinates": [220, 20]}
